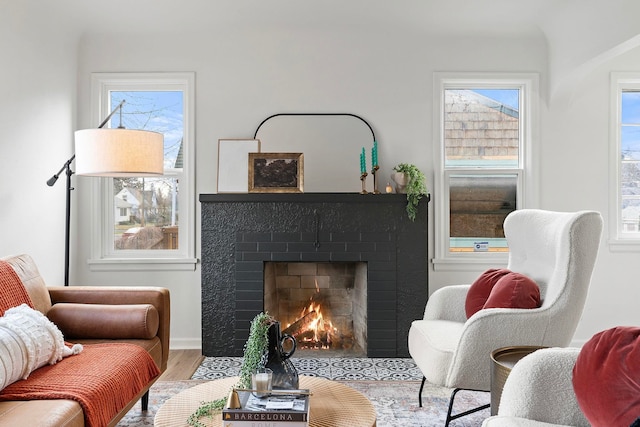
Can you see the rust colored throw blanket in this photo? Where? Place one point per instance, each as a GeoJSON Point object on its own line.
{"type": "Point", "coordinates": [102, 379]}
{"type": "Point", "coordinates": [13, 292]}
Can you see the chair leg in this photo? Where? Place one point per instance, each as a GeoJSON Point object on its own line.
{"type": "Point", "coordinates": [420, 392]}
{"type": "Point", "coordinates": [145, 401]}
{"type": "Point", "coordinates": [461, 414]}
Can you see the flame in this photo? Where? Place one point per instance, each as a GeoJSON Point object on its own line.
{"type": "Point", "coordinates": [319, 325]}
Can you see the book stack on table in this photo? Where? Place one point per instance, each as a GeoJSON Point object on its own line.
{"type": "Point", "coordinates": [275, 410]}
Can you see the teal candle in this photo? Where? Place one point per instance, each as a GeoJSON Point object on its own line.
{"type": "Point", "coordinates": [363, 162]}
{"type": "Point", "coordinates": [375, 150]}
{"type": "Point", "coordinates": [374, 154]}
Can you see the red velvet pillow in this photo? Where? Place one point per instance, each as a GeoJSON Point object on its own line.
{"type": "Point", "coordinates": [514, 290]}
{"type": "Point", "coordinates": [481, 289]}
{"type": "Point", "coordinates": [606, 378]}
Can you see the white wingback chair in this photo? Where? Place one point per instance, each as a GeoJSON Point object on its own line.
{"type": "Point", "coordinates": [557, 250]}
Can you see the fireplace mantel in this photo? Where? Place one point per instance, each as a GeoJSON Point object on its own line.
{"type": "Point", "coordinates": [240, 232]}
{"type": "Point", "coordinates": [304, 198]}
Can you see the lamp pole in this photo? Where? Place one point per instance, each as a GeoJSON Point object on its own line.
{"type": "Point", "coordinates": [51, 181]}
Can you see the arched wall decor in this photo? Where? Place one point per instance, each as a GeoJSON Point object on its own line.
{"type": "Point", "coordinates": [331, 144]}
{"type": "Point", "coordinates": [316, 114]}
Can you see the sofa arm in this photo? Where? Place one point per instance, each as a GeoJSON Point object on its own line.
{"type": "Point", "coordinates": [539, 388]}
{"type": "Point", "coordinates": [120, 295]}
{"type": "Point", "coordinates": [105, 321]}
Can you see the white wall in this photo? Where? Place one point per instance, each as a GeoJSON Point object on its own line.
{"type": "Point", "coordinates": [37, 116]}
{"type": "Point", "coordinates": [246, 72]}
{"type": "Point", "coordinates": [577, 132]}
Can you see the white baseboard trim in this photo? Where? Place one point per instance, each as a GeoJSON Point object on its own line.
{"type": "Point", "coordinates": [185, 343]}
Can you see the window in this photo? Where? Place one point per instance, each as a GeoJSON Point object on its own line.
{"type": "Point", "coordinates": [484, 162]}
{"type": "Point", "coordinates": [147, 220]}
{"type": "Point", "coordinates": [625, 161]}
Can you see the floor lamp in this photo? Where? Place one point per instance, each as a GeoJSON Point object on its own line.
{"type": "Point", "coordinates": [107, 152]}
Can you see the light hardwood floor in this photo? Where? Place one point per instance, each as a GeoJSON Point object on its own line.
{"type": "Point", "coordinates": [181, 364]}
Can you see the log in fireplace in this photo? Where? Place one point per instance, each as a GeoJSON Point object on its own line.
{"type": "Point", "coordinates": [242, 234]}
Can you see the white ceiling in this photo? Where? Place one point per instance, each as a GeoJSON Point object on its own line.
{"type": "Point", "coordinates": [580, 34]}
{"type": "Point", "coordinates": [462, 16]}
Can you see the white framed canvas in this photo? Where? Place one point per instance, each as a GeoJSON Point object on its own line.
{"type": "Point", "coordinates": [233, 164]}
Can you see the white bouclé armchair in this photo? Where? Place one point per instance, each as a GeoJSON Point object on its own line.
{"type": "Point", "coordinates": [539, 392]}
{"type": "Point", "coordinates": [558, 251]}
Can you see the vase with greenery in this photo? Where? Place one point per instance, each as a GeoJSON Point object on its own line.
{"type": "Point", "coordinates": [416, 187]}
{"type": "Point", "coordinates": [255, 350]}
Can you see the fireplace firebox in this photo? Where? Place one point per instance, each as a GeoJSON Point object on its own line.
{"type": "Point", "coordinates": [248, 238]}
{"type": "Point", "coordinates": [323, 305]}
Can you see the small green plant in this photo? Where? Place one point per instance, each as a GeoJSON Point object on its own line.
{"type": "Point", "coordinates": [416, 187]}
{"type": "Point", "coordinates": [254, 351]}
{"type": "Point", "coordinates": [255, 348]}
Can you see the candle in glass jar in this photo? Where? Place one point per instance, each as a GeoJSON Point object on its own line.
{"type": "Point", "coordinates": [262, 381]}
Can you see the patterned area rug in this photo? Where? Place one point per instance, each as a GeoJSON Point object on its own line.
{"type": "Point", "coordinates": [390, 384]}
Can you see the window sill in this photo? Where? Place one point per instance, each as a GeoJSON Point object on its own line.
{"type": "Point", "coordinates": [471, 263]}
{"type": "Point", "coordinates": [624, 245]}
{"type": "Point", "coordinates": [143, 264]}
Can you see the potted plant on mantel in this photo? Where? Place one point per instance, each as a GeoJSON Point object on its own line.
{"type": "Point", "coordinates": [410, 180]}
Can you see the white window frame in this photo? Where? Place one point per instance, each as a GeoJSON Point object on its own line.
{"type": "Point", "coordinates": [103, 256]}
{"type": "Point", "coordinates": [619, 241]}
{"type": "Point", "coordinates": [527, 194]}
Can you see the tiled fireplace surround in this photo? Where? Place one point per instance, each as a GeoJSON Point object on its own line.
{"type": "Point", "coordinates": [241, 232]}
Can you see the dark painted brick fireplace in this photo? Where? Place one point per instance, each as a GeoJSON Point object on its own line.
{"type": "Point", "coordinates": [240, 232]}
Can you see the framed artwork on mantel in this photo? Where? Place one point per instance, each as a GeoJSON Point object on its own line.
{"type": "Point", "coordinates": [276, 173]}
{"type": "Point", "coordinates": [233, 164]}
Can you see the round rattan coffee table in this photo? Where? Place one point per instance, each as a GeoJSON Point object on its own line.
{"type": "Point", "coordinates": [332, 405]}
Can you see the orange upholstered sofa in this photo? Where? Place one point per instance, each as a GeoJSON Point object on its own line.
{"type": "Point", "coordinates": [106, 320]}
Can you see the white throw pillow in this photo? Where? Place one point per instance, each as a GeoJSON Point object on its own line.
{"type": "Point", "coordinates": [28, 341]}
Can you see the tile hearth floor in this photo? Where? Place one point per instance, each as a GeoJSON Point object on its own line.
{"type": "Point", "coordinates": [333, 368]}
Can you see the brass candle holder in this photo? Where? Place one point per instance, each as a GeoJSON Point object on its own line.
{"type": "Point", "coordinates": [363, 178]}
{"type": "Point", "coordinates": [375, 180]}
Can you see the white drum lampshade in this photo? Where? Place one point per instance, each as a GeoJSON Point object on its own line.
{"type": "Point", "coordinates": [119, 152]}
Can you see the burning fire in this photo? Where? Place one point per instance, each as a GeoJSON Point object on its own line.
{"type": "Point", "coordinates": [321, 329]}
{"type": "Point", "coordinates": [311, 329]}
